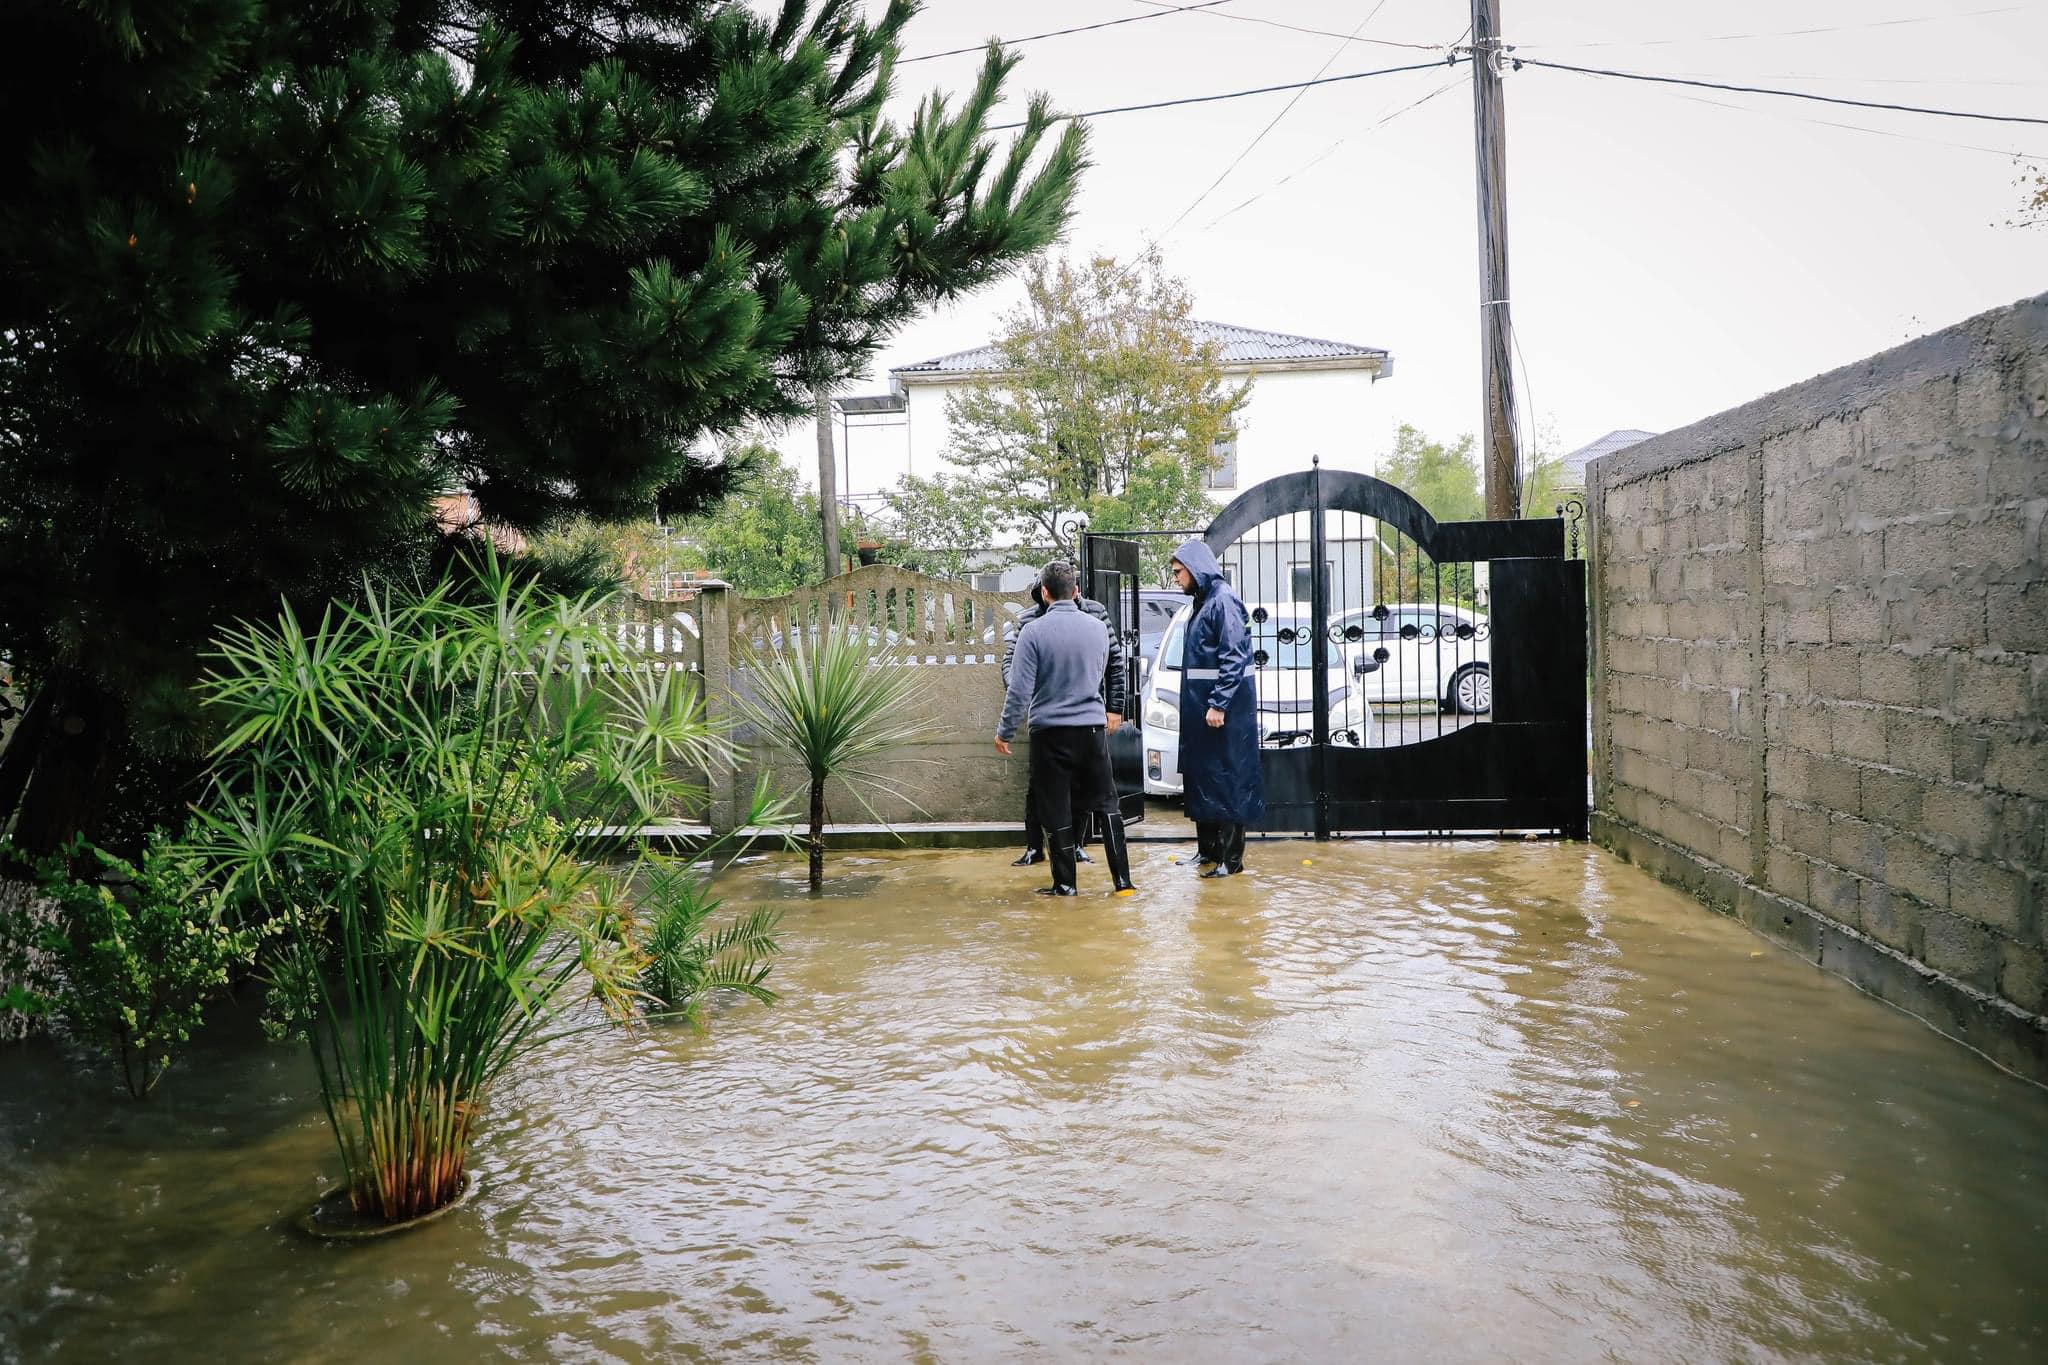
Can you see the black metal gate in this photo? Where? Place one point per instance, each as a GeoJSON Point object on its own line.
{"type": "Point", "coordinates": [1110, 573]}
{"type": "Point", "coordinates": [1412, 675]}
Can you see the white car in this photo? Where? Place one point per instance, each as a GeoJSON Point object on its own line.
{"type": "Point", "coordinates": [1426, 652]}
{"type": "Point", "coordinates": [1285, 682]}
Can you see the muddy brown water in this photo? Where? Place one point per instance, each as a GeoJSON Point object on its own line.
{"type": "Point", "coordinates": [1402, 1102]}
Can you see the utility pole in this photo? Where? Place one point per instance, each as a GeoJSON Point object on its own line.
{"type": "Point", "coordinates": [1500, 458]}
{"type": "Point", "coordinates": [828, 480]}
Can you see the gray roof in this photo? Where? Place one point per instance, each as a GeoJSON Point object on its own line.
{"type": "Point", "coordinates": [1239, 345]}
{"type": "Point", "coordinates": [1575, 463]}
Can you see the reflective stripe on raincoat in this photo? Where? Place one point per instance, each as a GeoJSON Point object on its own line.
{"type": "Point", "coordinates": [1219, 768]}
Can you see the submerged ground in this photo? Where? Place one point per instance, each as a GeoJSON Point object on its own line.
{"type": "Point", "coordinates": [1373, 1101]}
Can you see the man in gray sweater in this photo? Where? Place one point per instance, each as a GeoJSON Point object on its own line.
{"type": "Point", "coordinates": [1056, 678]}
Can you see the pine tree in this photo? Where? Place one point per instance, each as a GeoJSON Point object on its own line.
{"type": "Point", "coordinates": [274, 275]}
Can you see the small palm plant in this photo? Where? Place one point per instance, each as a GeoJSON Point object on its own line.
{"type": "Point", "coordinates": [436, 793]}
{"type": "Point", "coordinates": [686, 960]}
{"type": "Point", "coordinates": [838, 708]}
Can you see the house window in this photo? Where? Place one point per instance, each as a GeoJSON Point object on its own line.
{"type": "Point", "coordinates": [1302, 572]}
{"type": "Point", "coordinates": [1223, 471]}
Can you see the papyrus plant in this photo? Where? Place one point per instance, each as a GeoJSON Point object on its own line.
{"type": "Point", "coordinates": [429, 789]}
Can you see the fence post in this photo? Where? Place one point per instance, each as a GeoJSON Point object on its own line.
{"type": "Point", "coordinates": [714, 620]}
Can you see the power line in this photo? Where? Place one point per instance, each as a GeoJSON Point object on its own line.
{"type": "Point", "coordinates": [1317, 32]}
{"type": "Point", "coordinates": [1271, 123]}
{"type": "Point", "coordinates": [1331, 150]}
{"type": "Point", "coordinates": [1062, 32]}
{"type": "Point", "coordinates": [1785, 32]}
{"type": "Point", "coordinates": [1785, 94]}
{"type": "Point", "coordinates": [2006, 152]}
{"type": "Point", "coordinates": [1238, 94]}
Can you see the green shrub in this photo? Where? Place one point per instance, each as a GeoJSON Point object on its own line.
{"type": "Point", "coordinates": [685, 964]}
{"type": "Point", "coordinates": [127, 961]}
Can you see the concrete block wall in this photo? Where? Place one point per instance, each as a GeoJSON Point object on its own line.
{"type": "Point", "coordinates": [1821, 671]}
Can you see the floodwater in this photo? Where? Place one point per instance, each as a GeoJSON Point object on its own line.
{"type": "Point", "coordinates": [1403, 1102]}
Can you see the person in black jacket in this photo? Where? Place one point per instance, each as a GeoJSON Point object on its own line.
{"type": "Point", "coordinates": [1056, 684]}
{"type": "Point", "coordinates": [1113, 699]}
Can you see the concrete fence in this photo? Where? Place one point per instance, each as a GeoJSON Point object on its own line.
{"type": "Point", "coordinates": [949, 634]}
{"type": "Point", "coordinates": [1821, 671]}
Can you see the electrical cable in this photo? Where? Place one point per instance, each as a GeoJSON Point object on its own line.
{"type": "Point", "coordinates": [1782, 33]}
{"type": "Point", "coordinates": [1271, 124]}
{"type": "Point", "coordinates": [1237, 94]}
{"type": "Point", "coordinates": [1453, 84]}
{"type": "Point", "coordinates": [1161, 13]}
{"type": "Point", "coordinates": [2006, 152]}
{"type": "Point", "coordinates": [1317, 32]}
{"type": "Point", "coordinates": [1784, 94]}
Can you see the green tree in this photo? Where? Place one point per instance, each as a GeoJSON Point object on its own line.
{"type": "Point", "coordinates": [1109, 403]}
{"type": "Point", "coordinates": [764, 539]}
{"type": "Point", "coordinates": [939, 525]}
{"type": "Point", "coordinates": [1445, 479]}
{"type": "Point", "coordinates": [278, 272]}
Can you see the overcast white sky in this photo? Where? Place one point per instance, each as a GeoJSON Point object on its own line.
{"type": "Point", "coordinates": [1671, 257]}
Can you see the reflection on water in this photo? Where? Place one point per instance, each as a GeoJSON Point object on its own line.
{"type": "Point", "coordinates": [1394, 1102]}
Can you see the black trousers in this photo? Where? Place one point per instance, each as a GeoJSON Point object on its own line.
{"type": "Point", "coordinates": [1070, 777]}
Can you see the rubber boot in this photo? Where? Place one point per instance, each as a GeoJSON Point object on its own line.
{"type": "Point", "coordinates": [1205, 847]}
{"type": "Point", "coordinates": [1059, 847]}
{"type": "Point", "coordinates": [1081, 843]}
{"type": "Point", "coordinates": [1118, 851]}
{"type": "Point", "coordinates": [1229, 848]}
{"type": "Point", "coordinates": [1034, 839]}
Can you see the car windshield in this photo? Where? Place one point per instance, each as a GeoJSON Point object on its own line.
{"type": "Point", "coordinates": [1288, 644]}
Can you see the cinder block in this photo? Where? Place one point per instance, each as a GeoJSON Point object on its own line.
{"type": "Point", "coordinates": [1889, 677]}
{"type": "Point", "coordinates": [2023, 976]}
{"type": "Point", "coordinates": [1986, 690]}
{"type": "Point", "coordinates": [1834, 893]}
{"type": "Point", "coordinates": [1892, 798]}
{"type": "Point", "coordinates": [1919, 869]}
{"type": "Point", "coordinates": [1786, 874]}
{"type": "Point", "coordinates": [2017, 616]}
{"type": "Point", "coordinates": [1966, 951]}
{"type": "Point", "coordinates": [1802, 829]}
{"type": "Point", "coordinates": [1857, 731]}
{"type": "Point", "coordinates": [1959, 819]}
{"type": "Point", "coordinates": [1919, 743]}
{"type": "Point", "coordinates": [1855, 617]}
{"type": "Point", "coordinates": [1837, 673]}
{"type": "Point", "coordinates": [1890, 917]}
{"type": "Point", "coordinates": [1856, 846]}
{"type": "Point", "coordinates": [1995, 896]}
{"type": "Point", "coordinates": [1937, 618]}
{"type": "Point", "coordinates": [2020, 766]}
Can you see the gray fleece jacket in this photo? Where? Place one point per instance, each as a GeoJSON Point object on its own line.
{"type": "Point", "coordinates": [1056, 674]}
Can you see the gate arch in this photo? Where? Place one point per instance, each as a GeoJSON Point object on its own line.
{"type": "Point", "coordinates": [1413, 675]}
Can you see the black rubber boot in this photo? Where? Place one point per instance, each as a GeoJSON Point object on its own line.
{"type": "Point", "coordinates": [1205, 847]}
{"type": "Point", "coordinates": [1118, 851]}
{"type": "Point", "coordinates": [1081, 843]}
{"type": "Point", "coordinates": [1034, 837]}
{"type": "Point", "coordinates": [1229, 849]}
{"type": "Point", "coordinates": [1059, 847]}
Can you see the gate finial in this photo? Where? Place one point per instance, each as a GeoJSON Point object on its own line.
{"type": "Point", "coordinates": [1316, 461]}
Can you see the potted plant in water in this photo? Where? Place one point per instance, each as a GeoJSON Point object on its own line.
{"type": "Point", "coordinates": [437, 793]}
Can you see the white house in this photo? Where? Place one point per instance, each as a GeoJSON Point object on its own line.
{"type": "Point", "coordinates": [1308, 397]}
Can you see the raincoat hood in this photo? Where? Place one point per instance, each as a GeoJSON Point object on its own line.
{"type": "Point", "coordinates": [1200, 560]}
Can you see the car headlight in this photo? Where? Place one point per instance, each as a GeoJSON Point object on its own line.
{"type": "Point", "coordinates": [1163, 712]}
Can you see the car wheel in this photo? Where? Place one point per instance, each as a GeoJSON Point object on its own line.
{"type": "Point", "coordinates": [1471, 691]}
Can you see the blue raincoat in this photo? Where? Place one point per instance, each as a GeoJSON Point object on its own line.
{"type": "Point", "coordinates": [1219, 768]}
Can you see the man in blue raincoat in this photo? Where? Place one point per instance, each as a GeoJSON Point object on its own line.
{"type": "Point", "coordinates": [1219, 719]}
